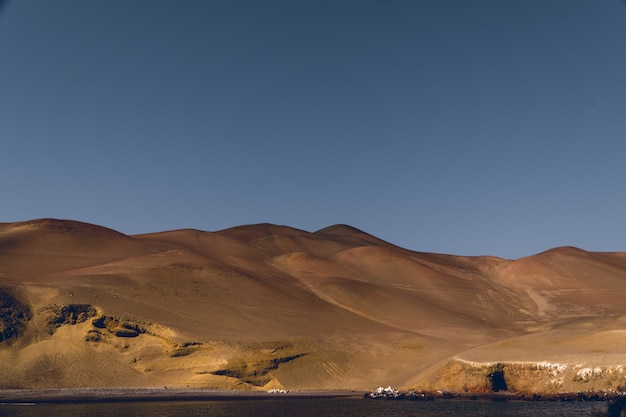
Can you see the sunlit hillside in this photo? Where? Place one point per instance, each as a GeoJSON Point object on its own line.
{"type": "Point", "coordinates": [265, 306]}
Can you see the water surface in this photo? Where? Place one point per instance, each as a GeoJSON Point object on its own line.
{"type": "Point", "coordinates": [314, 407]}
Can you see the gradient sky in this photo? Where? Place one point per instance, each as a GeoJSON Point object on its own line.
{"type": "Point", "coordinates": [486, 127]}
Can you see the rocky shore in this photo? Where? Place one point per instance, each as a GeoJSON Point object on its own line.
{"type": "Point", "coordinates": [73, 395]}
{"type": "Point", "coordinates": [390, 393]}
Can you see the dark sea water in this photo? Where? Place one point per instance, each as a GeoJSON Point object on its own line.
{"type": "Point", "coordinates": [325, 407]}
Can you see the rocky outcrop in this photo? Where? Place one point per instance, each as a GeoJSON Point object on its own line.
{"type": "Point", "coordinates": [13, 316]}
{"type": "Point", "coordinates": [529, 377]}
{"type": "Point", "coordinates": [255, 370]}
{"type": "Point", "coordinates": [69, 314]}
{"type": "Point", "coordinates": [388, 393]}
{"type": "Point", "coordinates": [104, 325]}
{"type": "Point", "coordinates": [483, 377]}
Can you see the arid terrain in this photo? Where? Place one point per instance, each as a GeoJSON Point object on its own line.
{"type": "Point", "coordinates": [263, 306]}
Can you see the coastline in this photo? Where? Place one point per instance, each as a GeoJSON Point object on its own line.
{"type": "Point", "coordinates": [587, 396]}
{"type": "Point", "coordinates": [85, 395]}
{"type": "Point", "coordinates": [132, 394]}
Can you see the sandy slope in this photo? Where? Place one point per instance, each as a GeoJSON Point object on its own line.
{"type": "Point", "coordinates": [261, 306]}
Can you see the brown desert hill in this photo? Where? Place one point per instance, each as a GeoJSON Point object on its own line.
{"type": "Point", "coordinates": [48, 245]}
{"type": "Point", "coordinates": [266, 306]}
{"type": "Point", "coordinates": [569, 281]}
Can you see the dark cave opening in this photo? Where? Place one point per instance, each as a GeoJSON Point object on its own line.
{"type": "Point", "coordinates": [496, 378]}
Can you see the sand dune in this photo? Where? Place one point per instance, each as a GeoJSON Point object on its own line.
{"type": "Point", "coordinates": [262, 306]}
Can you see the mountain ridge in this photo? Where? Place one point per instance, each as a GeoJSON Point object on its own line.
{"type": "Point", "coordinates": [268, 306]}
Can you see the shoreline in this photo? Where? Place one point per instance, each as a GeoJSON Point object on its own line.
{"type": "Point", "coordinates": [130, 394]}
{"type": "Point", "coordinates": [89, 395]}
{"type": "Point", "coordinates": [579, 396]}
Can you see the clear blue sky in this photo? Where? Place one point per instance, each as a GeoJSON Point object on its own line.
{"type": "Point", "coordinates": [487, 127]}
